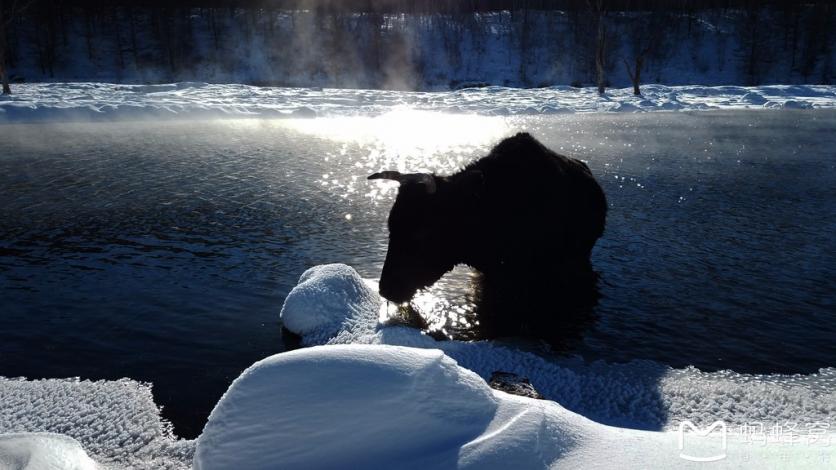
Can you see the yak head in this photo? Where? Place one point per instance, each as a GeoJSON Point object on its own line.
{"type": "Point", "coordinates": [423, 226]}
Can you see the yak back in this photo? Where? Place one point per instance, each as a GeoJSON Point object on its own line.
{"type": "Point", "coordinates": [533, 207]}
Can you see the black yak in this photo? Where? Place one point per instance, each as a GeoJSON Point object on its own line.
{"type": "Point", "coordinates": [525, 217]}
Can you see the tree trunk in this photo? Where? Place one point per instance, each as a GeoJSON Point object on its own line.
{"type": "Point", "coordinates": [638, 76]}
{"type": "Point", "coordinates": [599, 57]}
{"type": "Point", "coordinates": [132, 35]}
{"type": "Point", "coordinates": [632, 77]}
{"type": "Point", "coordinates": [4, 77]}
{"type": "Point", "coordinates": [213, 27]}
{"type": "Point", "coordinates": [7, 90]}
{"type": "Point", "coordinates": [524, 46]}
{"type": "Point", "coordinates": [120, 47]}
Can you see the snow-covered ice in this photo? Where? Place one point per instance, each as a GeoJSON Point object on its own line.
{"type": "Point", "coordinates": [376, 406]}
{"type": "Point", "coordinates": [92, 101]}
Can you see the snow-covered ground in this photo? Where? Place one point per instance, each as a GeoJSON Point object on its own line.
{"type": "Point", "coordinates": [405, 407]}
{"type": "Point", "coordinates": [384, 406]}
{"type": "Point", "coordinates": [91, 101]}
{"type": "Point", "coordinates": [356, 406]}
{"type": "Point", "coordinates": [378, 396]}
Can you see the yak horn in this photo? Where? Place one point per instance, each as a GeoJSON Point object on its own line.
{"type": "Point", "coordinates": [421, 178]}
{"type": "Point", "coordinates": [386, 175]}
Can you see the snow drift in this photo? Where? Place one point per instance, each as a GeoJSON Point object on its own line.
{"type": "Point", "coordinates": [346, 406]}
{"type": "Point", "coordinates": [190, 100]}
{"type": "Point", "coordinates": [373, 406]}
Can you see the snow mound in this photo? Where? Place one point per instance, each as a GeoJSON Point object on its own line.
{"type": "Point", "coordinates": [406, 408]}
{"type": "Point", "coordinates": [195, 100]}
{"type": "Point", "coordinates": [638, 394]}
{"type": "Point", "coordinates": [117, 422]}
{"type": "Point", "coordinates": [386, 404]}
{"type": "Point", "coordinates": [42, 451]}
{"type": "Point", "coordinates": [328, 299]}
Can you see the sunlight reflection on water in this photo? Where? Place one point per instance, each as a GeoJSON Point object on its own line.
{"type": "Point", "coordinates": [405, 140]}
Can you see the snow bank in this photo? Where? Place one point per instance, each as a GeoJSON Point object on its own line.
{"type": "Point", "coordinates": [400, 399]}
{"type": "Point", "coordinates": [42, 451]}
{"type": "Point", "coordinates": [639, 394]}
{"type": "Point", "coordinates": [327, 300]}
{"type": "Point", "coordinates": [95, 101]}
{"type": "Point", "coordinates": [116, 422]}
{"type": "Point", "coordinates": [363, 406]}
{"type": "Point", "coordinates": [346, 406]}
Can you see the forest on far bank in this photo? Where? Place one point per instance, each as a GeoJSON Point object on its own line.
{"type": "Point", "coordinates": [419, 44]}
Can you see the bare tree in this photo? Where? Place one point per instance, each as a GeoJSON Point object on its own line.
{"type": "Point", "coordinates": [8, 10]}
{"type": "Point", "coordinates": [599, 10]}
{"type": "Point", "coordinates": [5, 20]}
{"type": "Point", "coordinates": [645, 40]}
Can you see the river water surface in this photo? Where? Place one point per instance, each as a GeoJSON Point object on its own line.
{"type": "Point", "coordinates": [162, 251]}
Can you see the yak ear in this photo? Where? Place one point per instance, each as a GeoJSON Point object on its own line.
{"type": "Point", "coordinates": [386, 175]}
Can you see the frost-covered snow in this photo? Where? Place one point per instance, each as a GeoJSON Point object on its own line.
{"type": "Point", "coordinates": [91, 101]}
{"type": "Point", "coordinates": [116, 422]}
{"type": "Point", "coordinates": [373, 406]}
{"type": "Point", "coordinates": [42, 451]}
{"type": "Point", "coordinates": [639, 394]}
{"type": "Point", "coordinates": [343, 300]}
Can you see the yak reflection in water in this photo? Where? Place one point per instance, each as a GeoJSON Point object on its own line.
{"type": "Point", "coordinates": [479, 311]}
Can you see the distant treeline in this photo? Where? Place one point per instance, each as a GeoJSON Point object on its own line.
{"type": "Point", "coordinates": [421, 43]}
{"type": "Point", "coordinates": [446, 6]}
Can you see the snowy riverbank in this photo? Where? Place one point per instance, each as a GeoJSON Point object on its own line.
{"type": "Point", "coordinates": [381, 396]}
{"type": "Point", "coordinates": [99, 101]}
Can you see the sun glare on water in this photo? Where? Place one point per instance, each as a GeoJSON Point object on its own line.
{"type": "Point", "coordinates": [406, 130]}
{"type": "Point", "coordinates": [404, 139]}
{"type": "Point", "coordinates": [408, 138]}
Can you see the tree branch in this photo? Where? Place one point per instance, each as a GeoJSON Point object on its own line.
{"type": "Point", "coordinates": [15, 8]}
